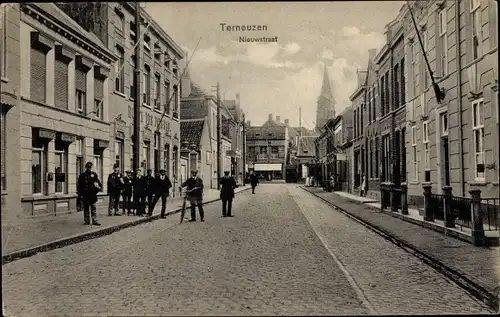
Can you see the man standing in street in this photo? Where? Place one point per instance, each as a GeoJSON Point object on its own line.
{"type": "Point", "coordinates": [149, 183]}
{"type": "Point", "coordinates": [115, 185]}
{"type": "Point", "coordinates": [87, 187]}
{"type": "Point", "coordinates": [128, 186]}
{"type": "Point", "coordinates": [253, 181]}
{"type": "Point", "coordinates": [194, 194]}
{"type": "Point", "coordinates": [228, 184]}
{"type": "Point", "coordinates": [162, 189]}
{"type": "Point", "coordinates": [139, 193]}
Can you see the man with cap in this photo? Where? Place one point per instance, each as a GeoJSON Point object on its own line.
{"type": "Point", "coordinates": [128, 186]}
{"type": "Point", "coordinates": [194, 193]}
{"type": "Point", "coordinates": [115, 185]}
{"type": "Point", "coordinates": [87, 188]}
{"type": "Point", "coordinates": [228, 184]}
{"type": "Point", "coordinates": [139, 193]}
{"type": "Point", "coordinates": [149, 184]}
{"type": "Point", "coordinates": [162, 188]}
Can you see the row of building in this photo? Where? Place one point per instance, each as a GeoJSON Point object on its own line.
{"type": "Point", "coordinates": [396, 134]}
{"type": "Point", "coordinates": [67, 97]}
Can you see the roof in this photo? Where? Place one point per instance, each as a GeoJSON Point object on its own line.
{"type": "Point", "coordinates": [191, 131]}
{"type": "Point", "coordinates": [226, 127]}
{"type": "Point", "coordinates": [193, 109]}
{"type": "Point", "coordinates": [272, 123]}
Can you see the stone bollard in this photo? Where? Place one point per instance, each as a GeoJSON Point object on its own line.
{"type": "Point", "coordinates": [404, 199]}
{"type": "Point", "coordinates": [478, 237]}
{"type": "Point", "coordinates": [449, 218]}
{"type": "Point", "coordinates": [393, 193]}
{"type": "Point", "coordinates": [428, 214]}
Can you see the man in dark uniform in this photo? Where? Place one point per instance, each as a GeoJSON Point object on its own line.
{"type": "Point", "coordinates": [194, 194]}
{"type": "Point", "coordinates": [128, 185]}
{"type": "Point", "coordinates": [162, 186]}
{"type": "Point", "coordinates": [253, 181]}
{"type": "Point", "coordinates": [149, 184]}
{"type": "Point", "coordinates": [139, 193]}
{"type": "Point", "coordinates": [87, 187]}
{"type": "Point", "coordinates": [115, 185]}
{"type": "Point", "coordinates": [228, 184]}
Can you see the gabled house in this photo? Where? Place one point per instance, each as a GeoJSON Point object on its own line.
{"type": "Point", "coordinates": [196, 148]}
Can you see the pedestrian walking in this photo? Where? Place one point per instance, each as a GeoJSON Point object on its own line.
{"type": "Point", "coordinates": [88, 186]}
{"type": "Point", "coordinates": [149, 183]}
{"type": "Point", "coordinates": [139, 192]}
{"type": "Point", "coordinates": [363, 186]}
{"type": "Point", "coordinates": [162, 190]}
{"type": "Point", "coordinates": [128, 188]}
{"type": "Point", "coordinates": [194, 193]}
{"type": "Point", "coordinates": [228, 184]}
{"type": "Point", "coordinates": [253, 181]}
{"type": "Point", "coordinates": [115, 186]}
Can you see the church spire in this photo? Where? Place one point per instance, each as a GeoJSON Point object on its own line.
{"type": "Point", "coordinates": [326, 90]}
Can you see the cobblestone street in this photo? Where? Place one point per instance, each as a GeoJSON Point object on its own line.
{"type": "Point", "coordinates": [284, 253]}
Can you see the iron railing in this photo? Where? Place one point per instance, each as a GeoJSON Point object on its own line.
{"type": "Point", "coordinates": [436, 204]}
{"type": "Point", "coordinates": [490, 210]}
{"type": "Point", "coordinates": [398, 192]}
{"type": "Point", "coordinates": [385, 196]}
{"type": "Point", "coordinates": [460, 210]}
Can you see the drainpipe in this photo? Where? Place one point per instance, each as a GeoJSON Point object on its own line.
{"type": "Point", "coordinates": [459, 74]}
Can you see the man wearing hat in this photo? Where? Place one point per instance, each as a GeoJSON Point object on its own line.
{"type": "Point", "coordinates": [139, 193]}
{"type": "Point", "coordinates": [115, 185]}
{"type": "Point", "coordinates": [194, 193]}
{"type": "Point", "coordinates": [128, 186]}
{"type": "Point", "coordinates": [162, 187]}
{"type": "Point", "coordinates": [87, 188]}
{"type": "Point", "coordinates": [228, 184]}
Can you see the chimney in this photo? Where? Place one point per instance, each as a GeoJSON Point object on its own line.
{"type": "Point", "coordinates": [286, 122]}
{"type": "Point", "coordinates": [270, 117]}
{"type": "Point", "coordinates": [372, 53]}
{"type": "Point", "coordinates": [278, 119]}
{"type": "Point", "coordinates": [185, 85]}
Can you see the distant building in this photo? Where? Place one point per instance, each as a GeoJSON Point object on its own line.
{"type": "Point", "coordinates": [196, 148]}
{"type": "Point", "coordinates": [326, 102]}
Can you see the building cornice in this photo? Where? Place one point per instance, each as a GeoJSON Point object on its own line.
{"type": "Point", "coordinates": [381, 54]}
{"type": "Point", "coordinates": [356, 93]}
{"type": "Point", "coordinates": [38, 14]}
{"type": "Point", "coordinates": [130, 6]}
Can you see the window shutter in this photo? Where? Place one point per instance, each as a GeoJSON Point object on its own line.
{"type": "Point", "coordinates": [38, 72]}
{"type": "Point", "coordinates": [81, 80]}
{"type": "Point", "coordinates": [3, 143]}
{"type": "Point", "coordinates": [61, 84]}
{"type": "Point", "coordinates": [98, 88]}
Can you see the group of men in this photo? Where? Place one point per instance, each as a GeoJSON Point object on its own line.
{"type": "Point", "coordinates": [137, 191]}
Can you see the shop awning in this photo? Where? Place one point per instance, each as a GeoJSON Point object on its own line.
{"type": "Point", "coordinates": [268, 167]}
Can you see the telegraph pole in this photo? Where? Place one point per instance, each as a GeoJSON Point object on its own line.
{"type": "Point", "coordinates": [299, 170]}
{"type": "Point", "coordinates": [244, 149]}
{"type": "Point", "coordinates": [137, 86]}
{"type": "Point", "coordinates": [219, 137]}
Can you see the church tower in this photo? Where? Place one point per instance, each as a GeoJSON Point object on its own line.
{"type": "Point", "coordinates": [326, 103]}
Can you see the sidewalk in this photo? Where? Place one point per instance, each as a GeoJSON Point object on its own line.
{"type": "Point", "coordinates": [31, 235]}
{"type": "Point", "coordinates": [478, 267]}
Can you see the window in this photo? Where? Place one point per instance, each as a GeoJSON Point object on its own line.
{"type": "Point", "coordinates": [175, 105]}
{"type": "Point", "coordinates": [382, 96]}
{"type": "Point", "coordinates": [377, 146]}
{"type": "Point", "coordinates": [427, 153]}
{"type": "Point", "coordinates": [61, 81]}
{"type": "Point", "coordinates": [120, 70]}
{"type": "Point", "coordinates": [99, 97]}
{"type": "Point", "coordinates": [175, 162]}
{"type": "Point", "coordinates": [414, 153]}
{"type": "Point", "coordinates": [403, 83]}
{"type": "Point", "coordinates": [369, 99]}
{"type": "Point", "coordinates": [119, 155]}
{"type": "Point", "coordinates": [132, 87]}
{"type": "Point", "coordinates": [133, 37]}
{"type": "Point", "coordinates": [396, 86]}
{"type": "Point", "coordinates": [425, 39]}
{"type": "Point", "coordinates": [387, 92]}
{"type": "Point", "coordinates": [147, 43]}
{"type": "Point", "coordinates": [476, 29]}
{"type": "Point", "coordinates": [120, 24]}
{"type": "Point", "coordinates": [443, 122]}
{"type": "Point", "coordinates": [146, 154]}
{"type": "Point", "coordinates": [374, 102]}
{"type": "Point", "coordinates": [355, 123]}
{"type": "Point", "coordinates": [38, 73]}
{"type": "Point", "coordinates": [157, 152]}
{"type": "Point", "coordinates": [3, 144]}
{"type": "Point", "coordinates": [81, 89]}
{"type": "Point", "coordinates": [61, 167]}
{"type": "Point", "coordinates": [39, 162]}
{"type": "Point", "coordinates": [98, 157]}
{"type": "Point", "coordinates": [478, 130]}
{"type": "Point", "coordinates": [414, 68]}
{"type": "Point", "coordinates": [157, 92]}
{"type": "Point", "coordinates": [79, 152]}
{"type": "Point", "coordinates": [443, 42]}
{"type": "Point", "coordinates": [166, 157]}
{"type": "Point", "coordinates": [167, 97]}
{"type": "Point", "coordinates": [386, 158]}
{"type": "Point", "coordinates": [146, 94]}
{"type": "Point", "coordinates": [3, 42]}
{"type": "Point", "coordinates": [372, 160]}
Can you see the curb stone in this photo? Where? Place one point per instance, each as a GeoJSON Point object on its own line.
{"type": "Point", "coordinates": [475, 289]}
{"type": "Point", "coordinates": [97, 233]}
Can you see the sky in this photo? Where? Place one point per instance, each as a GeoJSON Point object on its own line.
{"type": "Point", "coordinates": [277, 77]}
